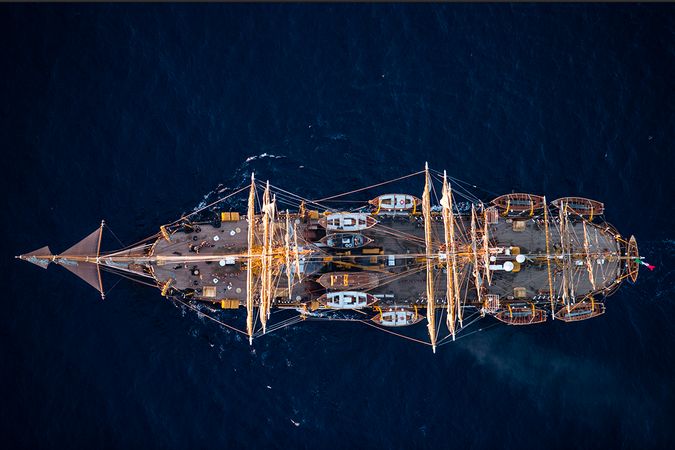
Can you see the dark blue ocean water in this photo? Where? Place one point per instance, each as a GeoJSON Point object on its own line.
{"type": "Point", "coordinates": [133, 113]}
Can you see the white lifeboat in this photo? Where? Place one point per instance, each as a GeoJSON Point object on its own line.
{"type": "Point", "coordinates": [347, 300]}
{"type": "Point", "coordinates": [397, 317]}
{"type": "Point", "coordinates": [347, 221]}
{"type": "Point", "coordinates": [395, 202]}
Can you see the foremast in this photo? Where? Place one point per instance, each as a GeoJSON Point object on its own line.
{"type": "Point", "coordinates": [450, 257]}
{"type": "Point", "coordinates": [249, 268]}
{"type": "Point", "coordinates": [431, 303]}
{"type": "Point", "coordinates": [266, 259]}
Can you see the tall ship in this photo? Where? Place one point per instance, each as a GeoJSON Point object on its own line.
{"type": "Point", "coordinates": [395, 262]}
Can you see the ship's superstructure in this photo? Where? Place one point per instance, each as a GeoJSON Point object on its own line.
{"type": "Point", "coordinates": [395, 259]}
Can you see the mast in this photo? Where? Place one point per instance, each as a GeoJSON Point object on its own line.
{"type": "Point", "coordinates": [297, 252]}
{"type": "Point", "coordinates": [431, 306]}
{"type": "Point", "coordinates": [287, 248]}
{"type": "Point", "coordinates": [449, 289]}
{"type": "Point", "coordinates": [270, 254]}
{"type": "Point", "coordinates": [453, 255]}
{"type": "Point", "coordinates": [565, 269]}
{"type": "Point", "coordinates": [264, 291]}
{"type": "Point", "coordinates": [548, 259]}
{"type": "Point", "coordinates": [249, 270]}
{"type": "Point", "coordinates": [474, 245]}
{"type": "Point", "coordinates": [486, 247]}
{"type": "Point", "coordinates": [570, 268]}
{"type": "Point", "coordinates": [98, 262]}
{"type": "Point", "coordinates": [589, 266]}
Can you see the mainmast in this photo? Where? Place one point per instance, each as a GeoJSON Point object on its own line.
{"type": "Point", "coordinates": [431, 304]}
{"type": "Point", "coordinates": [297, 252]}
{"type": "Point", "coordinates": [486, 247]}
{"type": "Point", "coordinates": [447, 228]}
{"type": "Point", "coordinates": [474, 245]}
{"type": "Point", "coordinates": [287, 249]}
{"type": "Point", "coordinates": [249, 271]}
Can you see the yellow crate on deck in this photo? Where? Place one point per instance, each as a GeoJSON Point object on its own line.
{"type": "Point", "coordinates": [229, 216]}
{"type": "Point", "coordinates": [229, 303]}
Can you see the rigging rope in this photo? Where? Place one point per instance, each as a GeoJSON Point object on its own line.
{"type": "Point", "coordinates": [209, 317]}
{"type": "Point", "coordinates": [369, 187]}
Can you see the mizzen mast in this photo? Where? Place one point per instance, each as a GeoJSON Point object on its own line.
{"type": "Point", "coordinates": [570, 266]}
{"type": "Point", "coordinates": [548, 260]}
{"type": "Point", "coordinates": [589, 265]}
{"type": "Point", "coordinates": [569, 295]}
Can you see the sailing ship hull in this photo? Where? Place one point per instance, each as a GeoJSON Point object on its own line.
{"type": "Point", "coordinates": [515, 255]}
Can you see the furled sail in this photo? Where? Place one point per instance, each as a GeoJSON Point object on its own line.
{"type": "Point", "coordinates": [431, 303]}
{"type": "Point", "coordinates": [249, 270]}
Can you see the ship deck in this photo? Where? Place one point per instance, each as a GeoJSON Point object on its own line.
{"type": "Point", "coordinates": [217, 264]}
